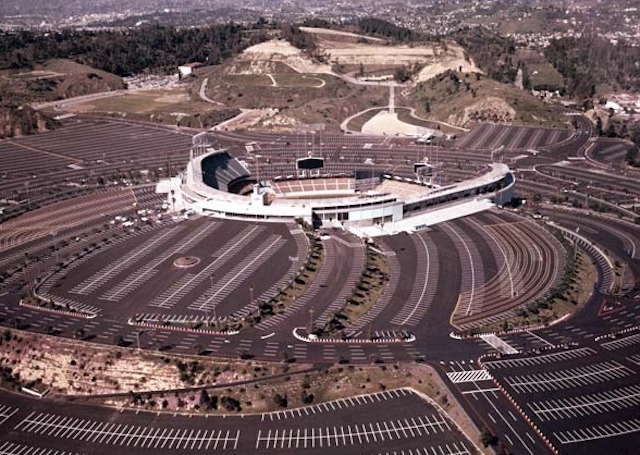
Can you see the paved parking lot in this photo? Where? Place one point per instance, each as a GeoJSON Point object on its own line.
{"type": "Point", "coordinates": [12, 448]}
{"type": "Point", "coordinates": [371, 433]}
{"type": "Point", "coordinates": [569, 378]}
{"type": "Point", "coordinates": [134, 436]}
{"type": "Point", "coordinates": [584, 400]}
{"type": "Point", "coordinates": [141, 277]}
{"type": "Point", "coordinates": [393, 420]}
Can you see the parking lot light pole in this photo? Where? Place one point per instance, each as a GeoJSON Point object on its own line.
{"type": "Point", "coordinates": [293, 260]}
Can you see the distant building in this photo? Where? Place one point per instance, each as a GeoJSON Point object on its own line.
{"type": "Point", "coordinates": [187, 68]}
{"type": "Point", "coordinates": [613, 105]}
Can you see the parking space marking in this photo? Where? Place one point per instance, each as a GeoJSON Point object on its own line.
{"type": "Point", "coordinates": [148, 270]}
{"type": "Point", "coordinates": [230, 281]}
{"type": "Point", "coordinates": [634, 359]}
{"type": "Point", "coordinates": [171, 296]}
{"type": "Point", "coordinates": [541, 359]}
{"type": "Point", "coordinates": [622, 342]}
{"type": "Point", "coordinates": [335, 405]}
{"type": "Point", "coordinates": [391, 430]}
{"type": "Point", "coordinates": [271, 349]}
{"type": "Point", "coordinates": [597, 403]}
{"type": "Point", "coordinates": [489, 390]}
{"type": "Point", "coordinates": [598, 432]}
{"type": "Point", "coordinates": [92, 431]}
{"type": "Point", "coordinates": [454, 448]}
{"type": "Point", "coordinates": [567, 379]}
{"type": "Point", "coordinates": [6, 412]}
{"type": "Point", "coordinates": [10, 448]}
{"type": "Point", "coordinates": [137, 254]}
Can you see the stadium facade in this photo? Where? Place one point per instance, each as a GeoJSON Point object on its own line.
{"type": "Point", "coordinates": [216, 184]}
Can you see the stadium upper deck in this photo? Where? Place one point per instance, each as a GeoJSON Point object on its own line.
{"type": "Point", "coordinates": [325, 199]}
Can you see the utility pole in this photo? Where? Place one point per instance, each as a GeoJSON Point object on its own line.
{"type": "Point", "coordinates": [310, 323]}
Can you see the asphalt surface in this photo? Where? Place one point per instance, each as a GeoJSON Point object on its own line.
{"type": "Point", "coordinates": [590, 409]}
{"type": "Point", "coordinates": [386, 421]}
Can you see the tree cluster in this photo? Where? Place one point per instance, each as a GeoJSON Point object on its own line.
{"type": "Point", "coordinates": [298, 38]}
{"type": "Point", "coordinates": [385, 29]}
{"type": "Point", "coordinates": [589, 61]}
{"type": "Point", "coordinates": [127, 52]}
{"type": "Point", "coordinates": [493, 53]}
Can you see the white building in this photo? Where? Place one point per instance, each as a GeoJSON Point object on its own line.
{"type": "Point", "coordinates": [187, 68]}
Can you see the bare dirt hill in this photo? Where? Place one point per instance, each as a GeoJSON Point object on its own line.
{"type": "Point", "coordinates": [347, 55]}
{"type": "Point", "coordinates": [261, 58]}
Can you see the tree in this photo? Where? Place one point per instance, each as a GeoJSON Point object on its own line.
{"type": "Point", "coordinates": [402, 74]}
{"type": "Point", "coordinates": [307, 398]}
{"type": "Point", "coordinates": [598, 126]}
{"type": "Point", "coordinates": [488, 438]}
{"type": "Point", "coordinates": [280, 400]}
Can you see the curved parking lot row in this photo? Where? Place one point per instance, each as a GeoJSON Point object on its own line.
{"type": "Point", "coordinates": [350, 281]}
{"type": "Point", "coordinates": [55, 218]}
{"type": "Point", "coordinates": [620, 343]}
{"type": "Point", "coordinates": [426, 278]}
{"type": "Point", "coordinates": [533, 266]}
{"type": "Point", "coordinates": [487, 136]}
{"type": "Point", "coordinates": [373, 432]}
{"type": "Point", "coordinates": [554, 357]}
{"type": "Point", "coordinates": [472, 273]}
{"type": "Point", "coordinates": [596, 432]}
{"type": "Point", "coordinates": [334, 405]}
{"type": "Point", "coordinates": [11, 448]}
{"type": "Point", "coordinates": [586, 405]}
{"type": "Point", "coordinates": [567, 379]}
{"type": "Point", "coordinates": [387, 295]}
{"type": "Point", "coordinates": [135, 436]}
{"type": "Point", "coordinates": [341, 266]}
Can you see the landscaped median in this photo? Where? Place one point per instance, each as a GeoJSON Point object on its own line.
{"type": "Point", "coordinates": [300, 333]}
{"type": "Point", "coordinates": [208, 327]}
{"type": "Point", "coordinates": [368, 290]}
{"type": "Point", "coordinates": [299, 284]}
{"type": "Point", "coordinates": [50, 306]}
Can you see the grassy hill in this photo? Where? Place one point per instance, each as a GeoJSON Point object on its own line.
{"type": "Point", "coordinates": [301, 98]}
{"type": "Point", "coordinates": [50, 81]}
{"type": "Point", "coordinates": [462, 99]}
{"type": "Point", "coordinates": [57, 79]}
